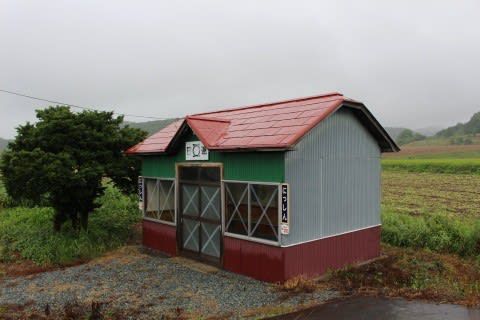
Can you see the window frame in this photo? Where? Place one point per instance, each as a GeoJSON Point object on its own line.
{"type": "Point", "coordinates": [175, 187]}
{"type": "Point", "coordinates": [248, 237]}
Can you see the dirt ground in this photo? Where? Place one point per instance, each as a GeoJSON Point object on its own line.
{"type": "Point", "coordinates": [417, 193]}
{"type": "Point", "coordinates": [432, 150]}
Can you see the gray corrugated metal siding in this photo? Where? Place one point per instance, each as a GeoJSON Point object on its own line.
{"type": "Point", "coordinates": [334, 174]}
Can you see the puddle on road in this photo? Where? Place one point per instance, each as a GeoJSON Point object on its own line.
{"type": "Point", "coordinates": [383, 308]}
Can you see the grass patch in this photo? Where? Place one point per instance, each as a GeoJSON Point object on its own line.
{"type": "Point", "coordinates": [414, 274]}
{"type": "Point", "coordinates": [438, 233]}
{"type": "Point", "coordinates": [27, 232]}
{"type": "Point", "coordinates": [438, 212]}
{"type": "Point", "coordinates": [454, 166]}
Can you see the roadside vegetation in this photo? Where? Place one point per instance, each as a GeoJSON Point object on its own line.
{"type": "Point", "coordinates": [430, 236]}
{"type": "Point", "coordinates": [26, 233]}
{"type": "Point", "coordinates": [413, 274]}
{"type": "Point", "coordinates": [436, 232]}
{"type": "Point", "coordinates": [402, 272]}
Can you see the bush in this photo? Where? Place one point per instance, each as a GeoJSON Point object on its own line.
{"type": "Point", "coordinates": [27, 231]}
{"type": "Point", "coordinates": [438, 233]}
{"type": "Point", "coordinates": [4, 200]}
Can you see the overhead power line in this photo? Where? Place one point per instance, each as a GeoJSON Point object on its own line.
{"type": "Point", "coordinates": [76, 106]}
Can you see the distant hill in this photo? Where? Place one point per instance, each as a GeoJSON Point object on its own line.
{"type": "Point", "coordinates": [394, 132]}
{"type": "Point", "coordinates": [3, 144]}
{"type": "Point", "coordinates": [404, 135]}
{"type": "Point", "coordinates": [408, 136]}
{"type": "Point", "coordinates": [150, 126]}
{"type": "Point", "coordinates": [471, 127]}
{"type": "Point", "coordinates": [428, 131]}
{"type": "Point", "coordinates": [461, 134]}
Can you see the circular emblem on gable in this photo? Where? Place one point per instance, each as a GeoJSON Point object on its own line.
{"type": "Point", "coordinates": [196, 150]}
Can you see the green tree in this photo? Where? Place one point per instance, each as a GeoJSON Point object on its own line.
{"type": "Point", "coordinates": [62, 159]}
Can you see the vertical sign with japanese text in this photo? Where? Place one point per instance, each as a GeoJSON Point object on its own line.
{"type": "Point", "coordinates": [140, 193]}
{"type": "Point", "coordinates": [285, 222]}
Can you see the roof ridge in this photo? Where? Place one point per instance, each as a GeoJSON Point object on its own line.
{"type": "Point", "coordinates": [196, 117]}
{"type": "Point", "coordinates": [325, 95]}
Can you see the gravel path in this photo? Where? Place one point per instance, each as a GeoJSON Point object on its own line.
{"type": "Point", "coordinates": [147, 286]}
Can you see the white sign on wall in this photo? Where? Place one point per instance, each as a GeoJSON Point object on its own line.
{"type": "Point", "coordinates": [284, 201]}
{"type": "Point", "coordinates": [195, 150]}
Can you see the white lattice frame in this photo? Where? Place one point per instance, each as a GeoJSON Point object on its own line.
{"type": "Point", "coordinates": [174, 223]}
{"type": "Point", "coordinates": [248, 237]}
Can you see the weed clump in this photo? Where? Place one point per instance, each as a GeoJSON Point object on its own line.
{"type": "Point", "coordinates": [299, 284]}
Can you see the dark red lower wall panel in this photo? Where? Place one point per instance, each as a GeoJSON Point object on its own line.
{"type": "Point", "coordinates": [160, 237]}
{"type": "Point", "coordinates": [256, 260]}
{"type": "Point", "coordinates": [276, 264]}
{"type": "Point", "coordinates": [316, 257]}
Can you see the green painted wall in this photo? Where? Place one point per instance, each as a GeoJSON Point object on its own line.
{"type": "Point", "coordinates": [247, 166]}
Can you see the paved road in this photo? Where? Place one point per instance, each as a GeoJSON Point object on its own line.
{"type": "Point", "coordinates": [372, 308]}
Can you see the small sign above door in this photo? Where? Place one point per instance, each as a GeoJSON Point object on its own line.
{"type": "Point", "coordinates": [195, 150]}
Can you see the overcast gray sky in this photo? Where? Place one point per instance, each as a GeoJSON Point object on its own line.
{"type": "Point", "coordinates": [413, 63]}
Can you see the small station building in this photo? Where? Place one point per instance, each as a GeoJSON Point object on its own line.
{"type": "Point", "coordinates": [270, 191]}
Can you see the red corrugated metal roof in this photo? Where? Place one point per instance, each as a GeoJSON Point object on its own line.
{"type": "Point", "coordinates": [159, 141]}
{"type": "Point", "coordinates": [276, 125]}
{"type": "Point", "coordinates": [209, 130]}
